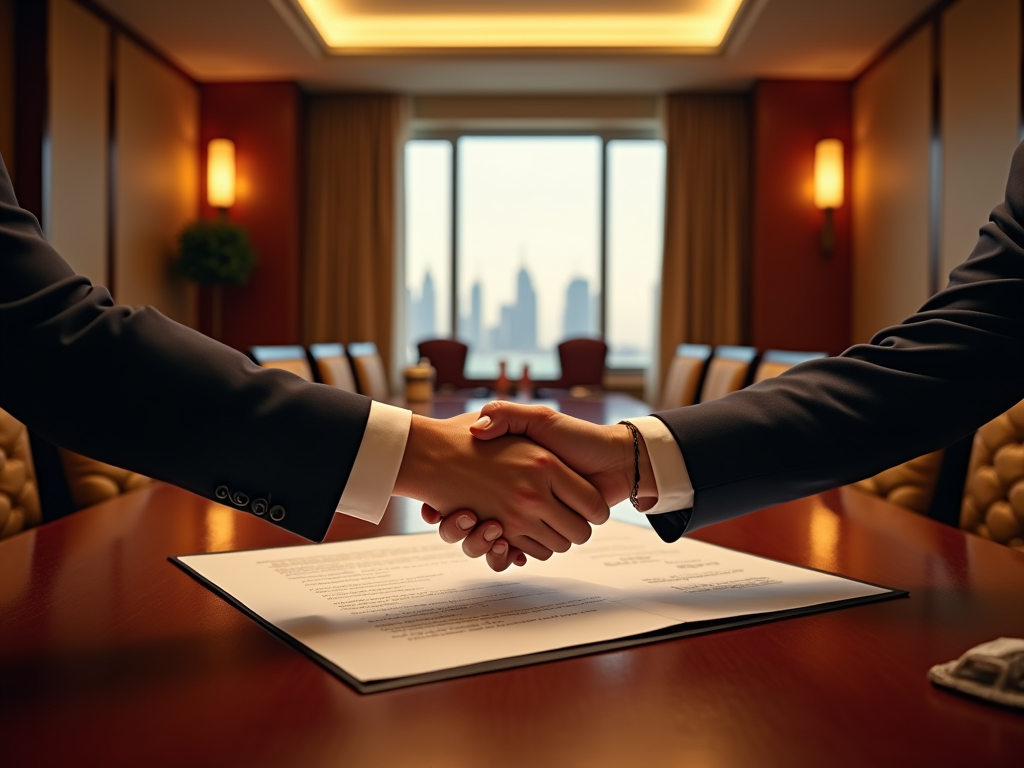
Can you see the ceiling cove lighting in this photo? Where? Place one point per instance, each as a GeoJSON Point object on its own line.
{"type": "Point", "coordinates": [395, 26]}
{"type": "Point", "coordinates": [828, 187]}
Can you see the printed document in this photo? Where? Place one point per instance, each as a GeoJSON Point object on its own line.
{"type": "Point", "coordinates": [400, 606]}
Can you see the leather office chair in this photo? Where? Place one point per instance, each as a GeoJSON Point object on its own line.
{"type": "Point", "coordinates": [682, 382]}
{"type": "Point", "coordinates": [90, 481]}
{"type": "Point", "coordinates": [910, 484]}
{"type": "Point", "coordinates": [993, 502]}
{"type": "Point", "coordinates": [776, 361]}
{"type": "Point", "coordinates": [333, 366]}
{"type": "Point", "coordinates": [582, 363]}
{"type": "Point", "coordinates": [448, 357]}
{"type": "Point", "coordinates": [288, 358]}
{"type": "Point", "coordinates": [727, 371]}
{"type": "Point", "coordinates": [19, 494]}
{"type": "Point", "coordinates": [369, 369]}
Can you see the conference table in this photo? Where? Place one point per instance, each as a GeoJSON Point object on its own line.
{"type": "Point", "coordinates": [111, 655]}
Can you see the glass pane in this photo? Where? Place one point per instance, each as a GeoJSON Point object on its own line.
{"type": "Point", "coordinates": [636, 213]}
{"type": "Point", "coordinates": [529, 229]}
{"type": "Point", "coordinates": [428, 241]}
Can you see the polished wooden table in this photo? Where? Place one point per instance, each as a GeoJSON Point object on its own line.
{"type": "Point", "coordinates": [110, 655]}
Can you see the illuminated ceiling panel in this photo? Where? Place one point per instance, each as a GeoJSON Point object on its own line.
{"type": "Point", "coordinates": [396, 26]}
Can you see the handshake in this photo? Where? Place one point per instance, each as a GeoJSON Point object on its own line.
{"type": "Point", "coordinates": [518, 480]}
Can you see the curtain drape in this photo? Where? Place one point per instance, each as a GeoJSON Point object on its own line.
{"type": "Point", "coordinates": [353, 158]}
{"type": "Point", "coordinates": [705, 272]}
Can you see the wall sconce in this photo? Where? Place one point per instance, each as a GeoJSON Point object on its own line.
{"type": "Point", "coordinates": [828, 187]}
{"type": "Point", "coordinates": [220, 174]}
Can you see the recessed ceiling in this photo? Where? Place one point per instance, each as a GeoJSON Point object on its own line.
{"type": "Point", "coordinates": [229, 40]}
{"type": "Point", "coordinates": [352, 26]}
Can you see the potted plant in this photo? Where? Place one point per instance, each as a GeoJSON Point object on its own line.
{"type": "Point", "coordinates": [213, 254]}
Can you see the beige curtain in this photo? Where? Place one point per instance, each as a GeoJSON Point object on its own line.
{"type": "Point", "coordinates": [705, 273]}
{"type": "Point", "coordinates": [353, 157]}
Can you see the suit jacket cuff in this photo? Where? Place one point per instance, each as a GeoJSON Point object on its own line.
{"type": "Point", "coordinates": [377, 463]}
{"type": "Point", "coordinates": [675, 492]}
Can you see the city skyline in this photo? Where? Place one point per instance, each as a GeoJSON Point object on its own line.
{"type": "Point", "coordinates": [517, 326]}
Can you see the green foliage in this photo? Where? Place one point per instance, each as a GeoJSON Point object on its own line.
{"type": "Point", "coordinates": [215, 253]}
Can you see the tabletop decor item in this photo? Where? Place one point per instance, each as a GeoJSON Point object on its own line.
{"type": "Point", "coordinates": [993, 671]}
{"type": "Point", "coordinates": [213, 254]}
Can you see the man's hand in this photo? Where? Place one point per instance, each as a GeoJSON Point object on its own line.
{"type": "Point", "coordinates": [540, 504]}
{"type": "Point", "coordinates": [603, 455]}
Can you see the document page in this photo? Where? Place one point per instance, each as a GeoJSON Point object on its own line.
{"type": "Point", "coordinates": [399, 606]}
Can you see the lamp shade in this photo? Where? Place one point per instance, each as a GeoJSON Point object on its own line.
{"type": "Point", "coordinates": [828, 173]}
{"type": "Point", "coordinates": [220, 173]}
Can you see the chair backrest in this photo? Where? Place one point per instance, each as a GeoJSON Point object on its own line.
{"type": "Point", "coordinates": [448, 357]}
{"type": "Point", "coordinates": [91, 481]}
{"type": "Point", "coordinates": [776, 361]}
{"type": "Point", "coordinates": [727, 371]}
{"type": "Point", "coordinates": [910, 484]}
{"type": "Point", "coordinates": [369, 369]}
{"type": "Point", "coordinates": [684, 375]}
{"type": "Point", "coordinates": [333, 366]}
{"type": "Point", "coordinates": [288, 358]}
{"type": "Point", "coordinates": [19, 494]}
{"type": "Point", "coordinates": [993, 503]}
{"type": "Point", "coordinates": [582, 362]}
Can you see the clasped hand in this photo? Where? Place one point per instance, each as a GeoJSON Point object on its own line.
{"type": "Point", "coordinates": [541, 494]}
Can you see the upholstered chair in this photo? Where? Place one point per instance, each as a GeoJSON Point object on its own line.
{"type": "Point", "coordinates": [288, 358]}
{"type": "Point", "coordinates": [448, 357]}
{"type": "Point", "coordinates": [333, 366]}
{"type": "Point", "coordinates": [911, 484]}
{"type": "Point", "coordinates": [582, 362]}
{"type": "Point", "coordinates": [727, 372]}
{"type": "Point", "coordinates": [91, 481]}
{"type": "Point", "coordinates": [993, 503]}
{"type": "Point", "coordinates": [777, 361]}
{"type": "Point", "coordinates": [369, 369]}
{"type": "Point", "coordinates": [19, 493]}
{"type": "Point", "coordinates": [684, 376]}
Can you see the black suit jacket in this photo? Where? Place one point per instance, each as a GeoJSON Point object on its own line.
{"type": "Point", "coordinates": [918, 386]}
{"type": "Point", "coordinates": [134, 389]}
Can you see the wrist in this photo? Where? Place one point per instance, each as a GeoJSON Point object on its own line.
{"type": "Point", "coordinates": [636, 457]}
{"type": "Point", "coordinates": [416, 460]}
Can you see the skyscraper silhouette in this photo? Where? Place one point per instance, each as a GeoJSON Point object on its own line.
{"type": "Point", "coordinates": [525, 315]}
{"type": "Point", "coordinates": [423, 312]}
{"type": "Point", "coordinates": [577, 310]}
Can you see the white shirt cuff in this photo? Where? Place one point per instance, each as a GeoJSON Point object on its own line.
{"type": "Point", "coordinates": [377, 463]}
{"type": "Point", "coordinates": [675, 491]}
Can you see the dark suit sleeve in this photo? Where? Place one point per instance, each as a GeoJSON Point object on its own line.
{"type": "Point", "coordinates": [132, 388]}
{"type": "Point", "coordinates": [921, 385]}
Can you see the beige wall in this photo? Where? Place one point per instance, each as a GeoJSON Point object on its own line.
{"type": "Point", "coordinates": [891, 126]}
{"type": "Point", "coordinates": [7, 83]}
{"type": "Point", "coordinates": [157, 179]}
{"type": "Point", "coordinates": [543, 112]}
{"type": "Point", "coordinates": [75, 199]}
{"type": "Point", "coordinates": [980, 114]}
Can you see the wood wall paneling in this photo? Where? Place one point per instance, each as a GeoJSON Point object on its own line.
{"type": "Point", "coordinates": [265, 122]}
{"type": "Point", "coordinates": [7, 83]}
{"type": "Point", "coordinates": [981, 82]}
{"type": "Point", "coordinates": [800, 298]}
{"type": "Point", "coordinates": [156, 179]}
{"type": "Point", "coordinates": [75, 202]}
{"type": "Point", "coordinates": [31, 86]}
{"type": "Point", "coordinates": [892, 127]}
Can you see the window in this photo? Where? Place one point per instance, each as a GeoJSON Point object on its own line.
{"type": "Point", "coordinates": [555, 237]}
{"type": "Point", "coordinates": [428, 241]}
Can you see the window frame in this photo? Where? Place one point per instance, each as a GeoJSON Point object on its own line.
{"type": "Point", "coordinates": [606, 135]}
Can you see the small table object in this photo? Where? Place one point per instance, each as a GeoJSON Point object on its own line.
{"type": "Point", "coordinates": [993, 671]}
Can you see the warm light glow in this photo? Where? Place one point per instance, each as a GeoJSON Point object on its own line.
{"type": "Point", "coordinates": [220, 173]}
{"type": "Point", "coordinates": [828, 173]}
{"type": "Point", "coordinates": [699, 26]}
